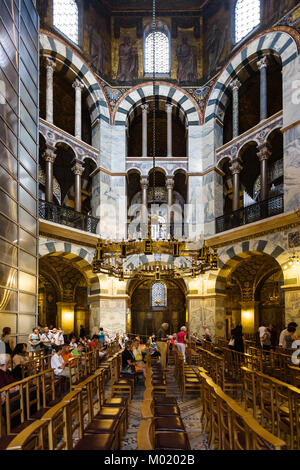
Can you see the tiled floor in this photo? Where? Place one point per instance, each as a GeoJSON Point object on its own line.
{"type": "Point", "coordinates": [190, 413]}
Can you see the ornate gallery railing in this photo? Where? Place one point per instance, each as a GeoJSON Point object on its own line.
{"type": "Point", "coordinates": [158, 231]}
{"type": "Point", "coordinates": [67, 216]}
{"type": "Point", "coordinates": [253, 213]}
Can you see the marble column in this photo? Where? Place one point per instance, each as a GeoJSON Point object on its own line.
{"type": "Point", "coordinates": [145, 108]}
{"type": "Point", "coordinates": [144, 216]}
{"type": "Point", "coordinates": [50, 66]}
{"type": "Point", "coordinates": [262, 66]}
{"type": "Point", "coordinates": [235, 85]}
{"type": "Point", "coordinates": [263, 155]}
{"type": "Point", "coordinates": [49, 157]}
{"type": "Point", "coordinates": [235, 169]}
{"type": "Point", "coordinates": [169, 108]}
{"type": "Point", "coordinates": [170, 187]}
{"type": "Point", "coordinates": [78, 169]}
{"type": "Point", "coordinates": [78, 85]}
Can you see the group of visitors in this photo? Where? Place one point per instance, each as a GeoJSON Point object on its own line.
{"type": "Point", "coordinates": [269, 338]}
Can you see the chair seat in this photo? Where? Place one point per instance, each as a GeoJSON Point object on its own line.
{"type": "Point", "coordinates": [21, 426]}
{"type": "Point", "coordinates": [116, 402]}
{"type": "Point", "coordinates": [166, 410]}
{"type": "Point", "coordinates": [106, 426]}
{"type": "Point", "coordinates": [165, 401]}
{"type": "Point", "coordinates": [191, 380]}
{"type": "Point", "coordinates": [109, 412]}
{"type": "Point", "coordinates": [95, 442]}
{"type": "Point", "coordinates": [172, 441]}
{"type": "Point", "coordinates": [124, 382]}
{"type": "Point", "coordinates": [169, 423]}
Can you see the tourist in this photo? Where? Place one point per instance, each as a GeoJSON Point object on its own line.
{"type": "Point", "coordinates": [180, 341]}
{"type": "Point", "coordinates": [47, 341]}
{"type": "Point", "coordinates": [34, 340]}
{"type": "Point", "coordinates": [78, 350]}
{"type": "Point", "coordinates": [274, 336]}
{"type": "Point", "coordinates": [195, 337]}
{"type": "Point", "coordinates": [101, 335]}
{"type": "Point", "coordinates": [137, 351]}
{"type": "Point", "coordinates": [58, 337]}
{"type": "Point", "coordinates": [81, 331]}
{"type": "Point", "coordinates": [7, 339]}
{"type": "Point", "coordinates": [66, 353]}
{"type": "Point", "coordinates": [94, 342]}
{"type": "Point", "coordinates": [206, 334]}
{"type": "Point", "coordinates": [239, 340]}
{"type": "Point", "coordinates": [284, 332]}
{"type": "Point", "coordinates": [19, 357]}
{"type": "Point", "coordinates": [289, 337]}
{"type": "Point", "coordinates": [58, 363]}
{"type": "Point", "coordinates": [162, 338]}
{"type": "Point", "coordinates": [261, 332]}
{"type": "Point", "coordinates": [266, 340]}
{"type": "Point", "coordinates": [73, 343]}
{"type": "Point", "coordinates": [153, 348]}
{"type": "Point", "coordinates": [6, 378]}
{"type": "Point", "coordinates": [128, 360]}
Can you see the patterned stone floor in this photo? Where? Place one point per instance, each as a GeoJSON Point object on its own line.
{"type": "Point", "coordinates": [190, 413]}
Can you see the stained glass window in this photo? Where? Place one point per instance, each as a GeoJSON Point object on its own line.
{"type": "Point", "coordinates": [158, 295]}
{"type": "Point", "coordinates": [162, 52]}
{"type": "Point", "coordinates": [65, 18]}
{"type": "Point", "coordinates": [247, 17]}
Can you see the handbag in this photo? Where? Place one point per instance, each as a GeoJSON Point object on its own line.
{"type": "Point", "coordinates": [231, 342]}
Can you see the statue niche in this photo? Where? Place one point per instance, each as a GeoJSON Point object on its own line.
{"type": "Point", "coordinates": [128, 61]}
{"type": "Point", "coordinates": [187, 62]}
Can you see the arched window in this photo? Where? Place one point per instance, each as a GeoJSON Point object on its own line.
{"type": "Point", "coordinates": [65, 18]}
{"type": "Point", "coordinates": [247, 17]}
{"type": "Point", "coordinates": [158, 294]}
{"type": "Point", "coordinates": [162, 50]}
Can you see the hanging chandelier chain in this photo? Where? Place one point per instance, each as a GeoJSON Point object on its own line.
{"type": "Point", "coordinates": [154, 105]}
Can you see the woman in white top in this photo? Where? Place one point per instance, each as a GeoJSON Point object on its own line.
{"type": "Point", "coordinates": [58, 336]}
{"type": "Point", "coordinates": [34, 340]}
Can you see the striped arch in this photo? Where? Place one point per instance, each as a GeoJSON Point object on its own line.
{"type": "Point", "coordinates": [277, 41]}
{"type": "Point", "coordinates": [170, 92]}
{"type": "Point", "coordinates": [81, 258]}
{"type": "Point", "coordinates": [99, 107]}
{"type": "Point", "coordinates": [231, 257]}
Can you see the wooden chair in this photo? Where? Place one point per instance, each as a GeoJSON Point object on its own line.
{"type": "Point", "coordinates": [33, 437]}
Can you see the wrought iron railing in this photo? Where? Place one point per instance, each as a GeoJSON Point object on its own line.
{"type": "Point", "coordinates": [159, 231]}
{"type": "Point", "coordinates": [67, 216]}
{"type": "Point", "coordinates": [253, 213]}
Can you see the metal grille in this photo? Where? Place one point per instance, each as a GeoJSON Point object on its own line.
{"type": "Point", "coordinates": [162, 58]}
{"type": "Point", "coordinates": [158, 295]}
{"type": "Point", "coordinates": [65, 18]}
{"type": "Point", "coordinates": [247, 17]}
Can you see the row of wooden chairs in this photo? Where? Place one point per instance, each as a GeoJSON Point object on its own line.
{"type": "Point", "coordinates": [228, 425]}
{"type": "Point", "coordinates": [275, 404]}
{"type": "Point", "coordinates": [187, 378]}
{"type": "Point", "coordinates": [161, 427]}
{"type": "Point", "coordinates": [82, 420]}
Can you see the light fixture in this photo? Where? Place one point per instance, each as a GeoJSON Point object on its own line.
{"type": "Point", "coordinates": [189, 258]}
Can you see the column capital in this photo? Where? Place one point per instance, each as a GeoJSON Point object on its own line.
{"type": "Point", "coordinates": [263, 62]}
{"type": "Point", "coordinates": [236, 166]}
{"type": "Point", "coordinates": [77, 169]}
{"type": "Point", "coordinates": [235, 84]}
{"type": "Point", "coordinates": [169, 182]}
{"type": "Point", "coordinates": [264, 152]}
{"type": "Point", "coordinates": [144, 180]}
{"type": "Point", "coordinates": [145, 108]}
{"type": "Point", "coordinates": [169, 107]}
{"type": "Point", "coordinates": [78, 84]}
{"type": "Point", "coordinates": [49, 154]}
{"type": "Point", "coordinates": [50, 63]}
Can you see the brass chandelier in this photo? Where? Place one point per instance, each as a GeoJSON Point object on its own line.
{"type": "Point", "coordinates": [189, 258]}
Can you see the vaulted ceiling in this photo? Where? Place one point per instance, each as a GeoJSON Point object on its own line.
{"type": "Point", "coordinates": [161, 5]}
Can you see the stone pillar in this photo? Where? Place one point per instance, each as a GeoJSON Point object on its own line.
{"type": "Point", "coordinates": [78, 85]}
{"type": "Point", "coordinates": [263, 155]}
{"type": "Point", "coordinates": [210, 310]}
{"type": "Point", "coordinates": [126, 140]}
{"type": "Point", "coordinates": [169, 108]}
{"type": "Point", "coordinates": [49, 156]}
{"type": "Point", "coordinates": [78, 169]}
{"type": "Point", "coordinates": [50, 66]}
{"type": "Point", "coordinates": [235, 169]}
{"type": "Point", "coordinates": [144, 130]}
{"type": "Point", "coordinates": [170, 186]}
{"type": "Point", "coordinates": [235, 85]}
{"type": "Point", "coordinates": [66, 316]}
{"type": "Point", "coordinates": [262, 66]}
{"type": "Point", "coordinates": [292, 303]}
{"type": "Point", "coordinates": [144, 215]}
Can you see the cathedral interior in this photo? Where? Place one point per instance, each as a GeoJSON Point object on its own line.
{"type": "Point", "coordinates": [192, 119]}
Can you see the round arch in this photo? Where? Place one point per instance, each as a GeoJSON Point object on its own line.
{"type": "Point", "coordinates": [279, 40]}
